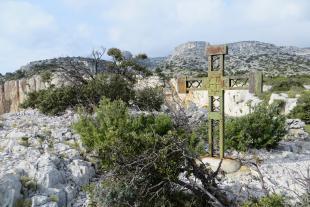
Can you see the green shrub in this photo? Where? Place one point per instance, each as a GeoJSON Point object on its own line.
{"type": "Point", "coordinates": [263, 128]}
{"type": "Point", "coordinates": [54, 101]}
{"type": "Point", "coordinates": [23, 203]}
{"type": "Point", "coordinates": [24, 141]}
{"type": "Point", "coordinates": [46, 76]}
{"type": "Point", "coordinates": [303, 79]}
{"type": "Point", "coordinates": [273, 200]}
{"type": "Point", "coordinates": [28, 183]}
{"type": "Point", "coordinates": [283, 84]}
{"type": "Point", "coordinates": [307, 128]}
{"type": "Point", "coordinates": [149, 99]}
{"type": "Point", "coordinates": [302, 110]}
{"type": "Point", "coordinates": [146, 154]}
{"type": "Point", "coordinates": [113, 125]}
{"type": "Point", "coordinates": [112, 86]}
{"type": "Point", "coordinates": [54, 198]}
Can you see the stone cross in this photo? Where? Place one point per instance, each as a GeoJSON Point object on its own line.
{"type": "Point", "coordinates": [216, 84]}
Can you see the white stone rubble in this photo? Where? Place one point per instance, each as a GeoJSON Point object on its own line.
{"type": "Point", "coordinates": [40, 160]}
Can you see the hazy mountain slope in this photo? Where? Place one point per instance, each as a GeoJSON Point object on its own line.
{"type": "Point", "coordinates": [190, 58]}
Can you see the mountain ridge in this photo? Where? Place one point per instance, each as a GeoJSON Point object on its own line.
{"type": "Point", "coordinates": [189, 58]}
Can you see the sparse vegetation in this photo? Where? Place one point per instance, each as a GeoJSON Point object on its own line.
{"type": "Point", "coordinates": [54, 198]}
{"type": "Point", "coordinates": [149, 99]}
{"type": "Point", "coordinates": [46, 76]}
{"type": "Point", "coordinates": [285, 84]}
{"type": "Point", "coordinates": [23, 203]}
{"type": "Point", "coordinates": [302, 110]}
{"type": "Point", "coordinates": [301, 79]}
{"type": "Point", "coordinates": [24, 141]}
{"type": "Point", "coordinates": [273, 200]}
{"type": "Point", "coordinates": [28, 183]}
{"type": "Point", "coordinates": [307, 128]}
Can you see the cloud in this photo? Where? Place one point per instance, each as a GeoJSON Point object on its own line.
{"type": "Point", "coordinates": [157, 26]}
{"type": "Point", "coordinates": [33, 29]}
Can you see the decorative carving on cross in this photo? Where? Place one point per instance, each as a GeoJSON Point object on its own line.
{"type": "Point", "coordinates": [216, 84]}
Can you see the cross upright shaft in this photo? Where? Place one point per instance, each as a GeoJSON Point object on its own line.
{"type": "Point", "coordinates": [216, 94]}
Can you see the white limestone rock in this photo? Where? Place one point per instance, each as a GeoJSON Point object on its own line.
{"type": "Point", "coordinates": [50, 158]}
{"type": "Point", "coordinates": [82, 171]}
{"type": "Point", "coordinates": [10, 187]}
{"type": "Point", "coordinates": [290, 103]}
{"type": "Point", "coordinates": [295, 130]}
{"type": "Point", "coordinates": [39, 200]}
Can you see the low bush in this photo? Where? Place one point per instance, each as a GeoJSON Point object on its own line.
{"type": "Point", "coordinates": [112, 86]}
{"type": "Point", "coordinates": [53, 101]}
{"type": "Point", "coordinates": [283, 84]}
{"type": "Point", "coordinates": [273, 200]}
{"type": "Point", "coordinates": [302, 110]}
{"type": "Point", "coordinates": [149, 99]}
{"type": "Point", "coordinates": [263, 128]}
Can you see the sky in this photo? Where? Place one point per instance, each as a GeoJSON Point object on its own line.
{"type": "Point", "coordinates": [40, 29]}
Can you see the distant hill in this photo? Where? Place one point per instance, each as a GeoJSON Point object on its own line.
{"type": "Point", "coordinates": [190, 58]}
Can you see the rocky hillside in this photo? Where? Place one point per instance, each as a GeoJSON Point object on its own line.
{"type": "Point", "coordinates": [190, 58]}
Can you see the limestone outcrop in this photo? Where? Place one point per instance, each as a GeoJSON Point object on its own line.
{"type": "Point", "coordinates": [14, 92]}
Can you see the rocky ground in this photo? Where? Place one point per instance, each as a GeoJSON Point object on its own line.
{"type": "Point", "coordinates": [41, 161]}
{"type": "Point", "coordinates": [284, 170]}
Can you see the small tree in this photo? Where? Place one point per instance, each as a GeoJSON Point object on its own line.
{"type": "Point", "coordinates": [141, 56]}
{"type": "Point", "coordinates": [96, 56]}
{"type": "Point", "coordinates": [149, 99]}
{"type": "Point", "coordinates": [128, 68]}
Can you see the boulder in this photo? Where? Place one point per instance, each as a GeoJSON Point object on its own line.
{"type": "Point", "coordinates": [39, 200]}
{"type": "Point", "coordinates": [290, 103]}
{"type": "Point", "coordinates": [82, 171]}
{"type": "Point", "coordinates": [47, 173]}
{"type": "Point", "coordinates": [10, 187]}
{"type": "Point", "coordinates": [228, 165]}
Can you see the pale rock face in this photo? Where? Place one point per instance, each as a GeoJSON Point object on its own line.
{"type": "Point", "coordinates": [290, 103]}
{"type": "Point", "coordinates": [148, 82]}
{"type": "Point", "coordinates": [39, 200]}
{"type": "Point", "coordinates": [48, 174]}
{"type": "Point", "coordinates": [14, 92]}
{"type": "Point", "coordinates": [10, 188]}
{"type": "Point", "coordinates": [50, 204]}
{"type": "Point", "coordinates": [82, 171]}
{"type": "Point", "coordinates": [266, 88]}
